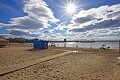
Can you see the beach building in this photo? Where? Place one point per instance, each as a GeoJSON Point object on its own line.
{"type": "Point", "coordinates": [3, 42]}
{"type": "Point", "coordinates": [40, 44]}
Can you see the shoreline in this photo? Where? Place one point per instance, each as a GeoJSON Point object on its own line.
{"type": "Point", "coordinates": [61, 44]}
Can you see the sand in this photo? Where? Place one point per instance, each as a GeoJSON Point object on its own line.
{"type": "Point", "coordinates": [87, 64]}
{"type": "Point", "coordinates": [18, 53]}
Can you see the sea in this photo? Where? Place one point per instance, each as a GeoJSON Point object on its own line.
{"type": "Point", "coordinates": [112, 45]}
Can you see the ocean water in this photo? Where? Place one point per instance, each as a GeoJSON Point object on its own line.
{"type": "Point", "coordinates": [112, 45]}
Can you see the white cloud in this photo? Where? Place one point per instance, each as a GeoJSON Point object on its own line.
{"type": "Point", "coordinates": [27, 23]}
{"type": "Point", "coordinates": [61, 26]}
{"type": "Point", "coordinates": [92, 23]}
{"type": "Point", "coordinates": [39, 16]}
{"type": "Point", "coordinates": [39, 10]}
{"type": "Point", "coordinates": [101, 33]}
{"type": "Point", "coordinates": [97, 23]}
{"type": "Point", "coordinates": [96, 18]}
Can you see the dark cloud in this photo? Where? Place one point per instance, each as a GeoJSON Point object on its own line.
{"type": "Point", "coordinates": [77, 30]}
{"type": "Point", "coordinates": [18, 33]}
{"type": "Point", "coordinates": [114, 14]}
{"type": "Point", "coordinates": [84, 19]}
{"type": "Point", "coordinates": [101, 25]}
{"type": "Point", "coordinates": [30, 24]}
{"type": "Point", "coordinates": [46, 32]}
{"type": "Point", "coordinates": [22, 33]}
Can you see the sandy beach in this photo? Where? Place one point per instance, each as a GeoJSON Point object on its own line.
{"type": "Point", "coordinates": [87, 64]}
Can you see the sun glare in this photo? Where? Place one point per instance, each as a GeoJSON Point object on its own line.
{"type": "Point", "coordinates": [70, 7]}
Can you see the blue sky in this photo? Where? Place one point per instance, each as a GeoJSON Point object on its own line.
{"type": "Point", "coordinates": [52, 20]}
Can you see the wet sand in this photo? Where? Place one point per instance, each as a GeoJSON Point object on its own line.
{"type": "Point", "coordinates": [87, 64]}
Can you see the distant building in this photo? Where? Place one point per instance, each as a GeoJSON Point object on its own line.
{"type": "Point", "coordinates": [3, 42]}
{"type": "Point", "coordinates": [65, 40]}
{"type": "Point", "coordinates": [19, 40]}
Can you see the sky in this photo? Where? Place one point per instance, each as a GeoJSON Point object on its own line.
{"type": "Point", "coordinates": [60, 19]}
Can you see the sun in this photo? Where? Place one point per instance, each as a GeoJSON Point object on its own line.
{"type": "Point", "coordinates": [70, 7]}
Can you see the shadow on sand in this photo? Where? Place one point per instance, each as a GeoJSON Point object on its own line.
{"type": "Point", "coordinates": [35, 49]}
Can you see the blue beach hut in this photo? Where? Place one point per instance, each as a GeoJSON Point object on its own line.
{"type": "Point", "coordinates": [40, 44]}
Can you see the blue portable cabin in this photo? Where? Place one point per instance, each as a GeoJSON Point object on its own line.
{"type": "Point", "coordinates": [40, 44]}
